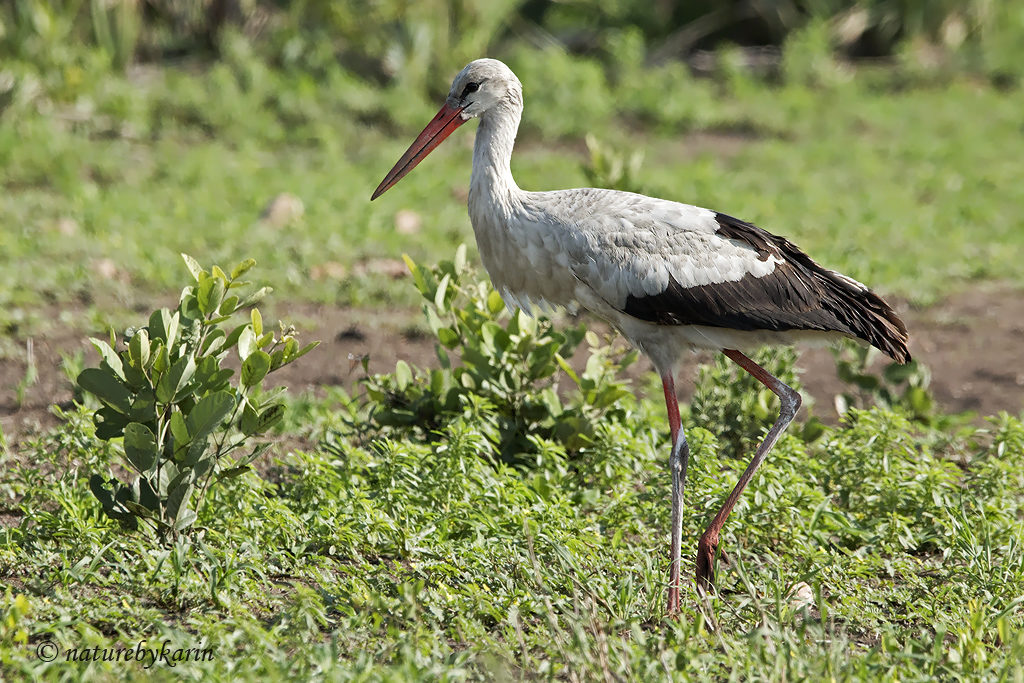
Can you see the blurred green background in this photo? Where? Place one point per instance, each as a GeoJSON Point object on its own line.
{"type": "Point", "coordinates": [883, 136]}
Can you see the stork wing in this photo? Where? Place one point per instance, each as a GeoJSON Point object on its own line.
{"type": "Point", "coordinates": [676, 264]}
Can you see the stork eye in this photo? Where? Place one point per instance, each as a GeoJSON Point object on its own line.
{"type": "Point", "coordinates": [470, 87]}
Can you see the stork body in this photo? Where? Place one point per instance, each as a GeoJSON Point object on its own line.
{"type": "Point", "coordinates": [669, 277]}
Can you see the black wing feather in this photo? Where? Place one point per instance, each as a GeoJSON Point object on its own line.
{"type": "Point", "coordinates": [798, 294]}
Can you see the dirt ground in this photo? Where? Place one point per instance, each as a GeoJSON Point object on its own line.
{"type": "Point", "coordinates": [972, 343]}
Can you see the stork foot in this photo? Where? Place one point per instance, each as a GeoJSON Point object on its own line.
{"type": "Point", "coordinates": [706, 562]}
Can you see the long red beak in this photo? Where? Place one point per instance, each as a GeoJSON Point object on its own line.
{"type": "Point", "coordinates": [440, 127]}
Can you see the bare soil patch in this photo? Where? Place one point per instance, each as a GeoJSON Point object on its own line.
{"type": "Point", "coordinates": [972, 342]}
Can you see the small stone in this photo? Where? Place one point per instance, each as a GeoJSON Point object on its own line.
{"type": "Point", "coordinates": [67, 226]}
{"type": "Point", "coordinates": [389, 267]}
{"type": "Point", "coordinates": [283, 210]}
{"type": "Point", "coordinates": [408, 222]}
{"type": "Point", "coordinates": [105, 268]}
{"type": "Point", "coordinates": [329, 270]}
{"type": "Point", "coordinates": [801, 596]}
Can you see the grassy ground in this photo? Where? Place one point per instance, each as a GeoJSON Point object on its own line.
{"type": "Point", "coordinates": [882, 548]}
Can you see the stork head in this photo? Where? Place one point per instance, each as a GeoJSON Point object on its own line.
{"type": "Point", "coordinates": [480, 87]}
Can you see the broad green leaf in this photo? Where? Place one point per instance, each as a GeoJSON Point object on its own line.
{"type": "Point", "coordinates": [434, 321]}
{"type": "Point", "coordinates": [206, 367]}
{"type": "Point", "coordinates": [214, 341]}
{"type": "Point", "coordinates": [139, 509]}
{"type": "Point", "coordinates": [291, 347]}
{"type": "Point", "coordinates": [568, 370]}
{"type": "Point", "coordinates": [160, 360]}
{"type": "Point", "coordinates": [403, 375]}
{"type": "Point", "coordinates": [107, 387]}
{"type": "Point", "coordinates": [442, 288]}
{"type": "Point", "coordinates": [255, 368]}
{"type": "Point", "coordinates": [234, 335]}
{"type": "Point", "coordinates": [110, 423]}
{"type": "Point", "coordinates": [417, 274]}
{"type": "Point", "coordinates": [143, 493]}
{"type": "Point", "coordinates": [228, 306]}
{"type": "Point", "coordinates": [259, 450]}
{"type": "Point", "coordinates": [270, 417]}
{"type": "Point", "coordinates": [167, 472]}
{"type": "Point", "coordinates": [253, 423]}
{"type": "Point", "coordinates": [179, 431]}
{"type": "Point", "coordinates": [896, 373]}
{"type": "Point", "coordinates": [138, 349]}
{"type": "Point", "coordinates": [246, 342]}
{"type": "Point", "coordinates": [189, 307]}
{"type": "Point", "coordinates": [193, 266]}
{"type": "Point", "coordinates": [135, 378]}
{"type": "Point", "coordinates": [215, 271]}
{"type": "Point", "coordinates": [110, 499]}
{"type": "Point", "coordinates": [140, 446]}
{"type": "Point", "coordinates": [163, 325]}
{"type": "Point", "coordinates": [109, 355]}
{"type": "Point", "coordinates": [919, 400]}
{"type": "Point", "coordinates": [257, 321]}
{"type": "Point", "coordinates": [177, 377]}
{"type": "Point", "coordinates": [207, 415]}
{"type": "Point", "coordinates": [495, 303]}
{"type": "Point", "coordinates": [178, 493]}
{"type": "Point", "coordinates": [255, 297]}
{"type": "Point", "coordinates": [233, 472]}
{"type": "Point", "coordinates": [460, 258]}
{"type": "Point", "coordinates": [448, 337]}
{"type": "Point", "coordinates": [218, 380]}
{"type": "Point", "coordinates": [250, 420]}
{"type": "Point", "coordinates": [185, 519]}
{"type": "Point", "coordinates": [304, 350]}
{"type": "Point", "coordinates": [194, 456]}
{"type": "Point", "coordinates": [210, 293]}
{"type": "Point", "coordinates": [143, 408]}
{"type": "Point", "coordinates": [242, 268]}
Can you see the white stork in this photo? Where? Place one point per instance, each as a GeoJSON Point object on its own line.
{"type": "Point", "coordinates": [668, 276]}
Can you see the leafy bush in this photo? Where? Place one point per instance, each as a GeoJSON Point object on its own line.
{"type": "Point", "coordinates": [168, 396]}
{"type": "Point", "coordinates": [506, 379]}
{"type": "Point", "coordinates": [897, 387]}
{"type": "Point", "coordinates": [611, 168]}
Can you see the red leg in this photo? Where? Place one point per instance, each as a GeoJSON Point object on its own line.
{"type": "Point", "coordinates": [790, 403]}
{"type": "Point", "coordinates": [678, 461]}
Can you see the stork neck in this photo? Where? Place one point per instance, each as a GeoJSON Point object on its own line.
{"type": "Point", "coordinates": [492, 153]}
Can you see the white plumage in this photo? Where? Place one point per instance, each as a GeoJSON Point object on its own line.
{"type": "Point", "coordinates": [669, 276]}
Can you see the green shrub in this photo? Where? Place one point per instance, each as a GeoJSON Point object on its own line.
{"type": "Point", "coordinates": [168, 396]}
{"type": "Point", "coordinates": [898, 387]}
{"type": "Point", "coordinates": [613, 168]}
{"type": "Point", "coordinates": [507, 376]}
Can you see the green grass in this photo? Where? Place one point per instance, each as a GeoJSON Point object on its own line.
{"type": "Point", "coordinates": [410, 560]}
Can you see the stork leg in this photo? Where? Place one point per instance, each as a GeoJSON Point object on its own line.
{"type": "Point", "coordinates": [677, 463]}
{"type": "Point", "coordinates": [790, 400]}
